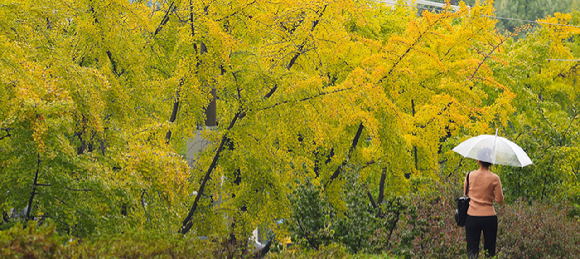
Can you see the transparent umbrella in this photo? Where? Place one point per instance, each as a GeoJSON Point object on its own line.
{"type": "Point", "coordinates": [493, 149]}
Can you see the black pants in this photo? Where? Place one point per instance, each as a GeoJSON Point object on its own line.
{"type": "Point", "coordinates": [473, 227]}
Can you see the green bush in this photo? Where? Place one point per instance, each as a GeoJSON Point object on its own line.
{"type": "Point", "coordinates": [44, 242]}
{"type": "Point", "coordinates": [315, 222]}
{"type": "Point", "coordinates": [31, 241]}
{"type": "Point", "coordinates": [416, 226]}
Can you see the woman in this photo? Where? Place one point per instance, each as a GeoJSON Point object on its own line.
{"type": "Point", "coordinates": [484, 187]}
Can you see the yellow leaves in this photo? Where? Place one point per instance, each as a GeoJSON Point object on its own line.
{"type": "Point", "coordinates": [156, 170]}
{"type": "Point", "coordinates": [556, 27]}
{"type": "Point", "coordinates": [305, 73]}
{"type": "Point", "coordinates": [435, 75]}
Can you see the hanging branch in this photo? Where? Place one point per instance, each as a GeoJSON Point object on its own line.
{"type": "Point", "coordinates": [187, 224]}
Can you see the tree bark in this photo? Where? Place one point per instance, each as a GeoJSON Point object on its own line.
{"type": "Point", "coordinates": [352, 147]}
{"type": "Point", "coordinates": [186, 226]}
{"type": "Point", "coordinates": [382, 186]}
{"type": "Point", "coordinates": [34, 185]}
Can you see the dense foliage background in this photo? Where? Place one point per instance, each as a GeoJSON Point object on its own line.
{"type": "Point", "coordinates": [335, 124]}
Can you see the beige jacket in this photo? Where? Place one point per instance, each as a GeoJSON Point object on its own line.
{"type": "Point", "coordinates": [484, 187]}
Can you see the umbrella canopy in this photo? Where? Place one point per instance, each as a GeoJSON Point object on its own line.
{"type": "Point", "coordinates": [493, 149]}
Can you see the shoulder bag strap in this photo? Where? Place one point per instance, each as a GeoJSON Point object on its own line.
{"type": "Point", "coordinates": [467, 189]}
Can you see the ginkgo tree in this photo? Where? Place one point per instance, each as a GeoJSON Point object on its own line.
{"type": "Point", "coordinates": [98, 98]}
{"type": "Point", "coordinates": [325, 86]}
{"type": "Point", "coordinates": [85, 116]}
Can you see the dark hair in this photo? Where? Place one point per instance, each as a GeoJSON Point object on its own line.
{"type": "Point", "coordinates": [485, 164]}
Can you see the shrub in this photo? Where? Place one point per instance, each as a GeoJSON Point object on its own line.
{"type": "Point", "coordinates": [415, 226]}
{"type": "Point", "coordinates": [310, 223]}
{"type": "Point", "coordinates": [315, 222]}
{"type": "Point", "coordinates": [44, 242]}
{"type": "Point", "coordinates": [334, 251]}
{"type": "Point", "coordinates": [427, 227]}
{"type": "Point", "coordinates": [537, 230]}
{"type": "Point", "coordinates": [526, 229]}
{"type": "Point", "coordinates": [31, 241]}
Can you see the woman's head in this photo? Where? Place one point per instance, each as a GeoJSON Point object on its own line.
{"type": "Point", "coordinates": [484, 156]}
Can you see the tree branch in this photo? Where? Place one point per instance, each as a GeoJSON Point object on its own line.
{"type": "Point", "coordinates": [114, 64]}
{"type": "Point", "coordinates": [350, 151]}
{"type": "Point", "coordinates": [33, 193]}
{"type": "Point", "coordinates": [143, 204]}
{"type": "Point", "coordinates": [382, 186]}
{"type": "Point", "coordinates": [260, 254]}
{"type": "Point", "coordinates": [438, 114]}
{"type": "Point", "coordinates": [6, 136]}
{"type": "Point", "coordinates": [495, 47]}
{"type": "Point", "coordinates": [306, 235]}
{"type": "Point", "coordinates": [300, 52]}
{"type": "Point", "coordinates": [372, 200]}
{"type": "Point", "coordinates": [404, 54]}
{"type": "Point", "coordinates": [66, 188]}
{"type": "Point", "coordinates": [165, 18]}
{"type": "Point", "coordinates": [191, 24]}
{"type": "Point", "coordinates": [454, 170]}
{"type": "Point", "coordinates": [174, 111]}
{"type": "Point", "coordinates": [304, 99]}
{"type": "Point", "coordinates": [186, 225]}
{"type": "Point", "coordinates": [271, 92]}
{"type": "Point", "coordinates": [234, 13]}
